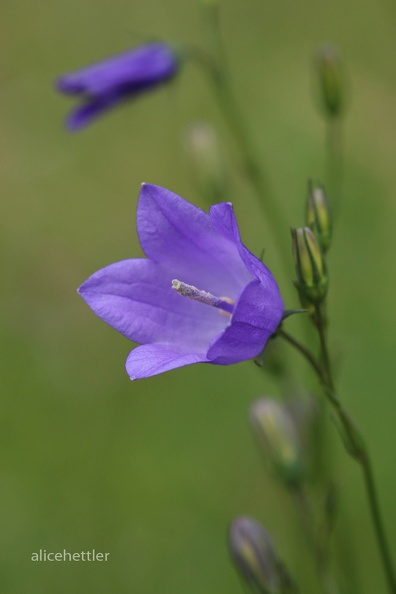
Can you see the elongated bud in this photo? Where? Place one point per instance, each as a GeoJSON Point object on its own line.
{"type": "Point", "coordinates": [206, 159]}
{"type": "Point", "coordinates": [331, 80]}
{"type": "Point", "coordinates": [278, 436]}
{"type": "Point", "coordinates": [254, 556]}
{"type": "Point", "coordinates": [317, 215]}
{"type": "Point", "coordinates": [310, 266]}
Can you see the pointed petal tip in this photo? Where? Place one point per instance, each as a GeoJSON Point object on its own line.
{"type": "Point", "coordinates": [147, 187]}
{"type": "Point", "coordinates": [81, 288]}
{"type": "Point", "coordinates": [144, 189]}
{"type": "Point", "coordinates": [73, 123]}
{"type": "Point", "coordinates": [62, 84]}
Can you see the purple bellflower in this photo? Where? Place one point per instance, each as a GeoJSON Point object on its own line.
{"type": "Point", "coordinates": [200, 296]}
{"type": "Point", "coordinates": [106, 84]}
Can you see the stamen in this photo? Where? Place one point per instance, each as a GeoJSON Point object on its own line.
{"type": "Point", "coordinates": [223, 303]}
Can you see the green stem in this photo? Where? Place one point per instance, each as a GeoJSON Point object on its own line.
{"type": "Point", "coordinates": [352, 440]}
{"type": "Point", "coordinates": [320, 322]}
{"type": "Point", "coordinates": [375, 512]}
{"type": "Point", "coordinates": [230, 109]}
{"type": "Point", "coordinates": [319, 554]}
{"type": "Point", "coordinates": [306, 353]}
{"type": "Point", "coordinates": [334, 160]}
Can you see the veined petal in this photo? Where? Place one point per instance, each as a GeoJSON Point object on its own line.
{"type": "Point", "coordinates": [180, 236]}
{"type": "Point", "coordinates": [223, 220]}
{"type": "Point", "coordinates": [152, 359]}
{"type": "Point", "coordinates": [135, 297]}
{"type": "Point", "coordinates": [257, 315]}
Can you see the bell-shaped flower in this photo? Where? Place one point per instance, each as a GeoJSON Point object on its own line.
{"type": "Point", "coordinates": [106, 84]}
{"type": "Point", "coordinates": [200, 296]}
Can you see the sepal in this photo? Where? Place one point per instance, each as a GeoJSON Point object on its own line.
{"type": "Point", "coordinates": [318, 216]}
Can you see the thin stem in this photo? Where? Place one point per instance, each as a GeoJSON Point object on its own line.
{"type": "Point", "coordinates": [306, 516]}
{"type": "Point", "coordinates": [320, 322]}
{"type": "Point", "coordinates": [376, 516]}
{"type": "Point", "coordinates": [230, 109]}
{"type": "Point", "coordinates": [353, 441]}
{"type": "Point", "coordinates": [305, 352]}
{"type": "Point", "coordinates": [319, 554]}
{"type": "Point", "coordinates": [334, 160]}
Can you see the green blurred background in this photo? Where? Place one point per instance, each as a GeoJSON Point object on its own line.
{"type": "Point", "coordinates": [153, 471]}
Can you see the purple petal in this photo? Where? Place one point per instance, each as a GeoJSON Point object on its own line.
{"type": "Point", "coordinates": [135, 297]}
{"type": "Point", "coordinates": [152, 359]}
{"type": "Point", "coordinates": [257, 315]}
{"type": "Point", "coordinates": [146, 65]}
{"type": "Point", "coordinates": [180, 236]}
{"type": "Point", "coordinates": [83, 115]}
{"type": "Point", "coordinates": [223, 220]}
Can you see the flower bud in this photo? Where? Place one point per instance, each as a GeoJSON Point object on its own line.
{"type": "Point", "coordinates": [206, 159]}
{"type": "Point", "coordinates": [317, 215]}
{"type": "Point", "coordinates": [254, 556]}
{"type": "Point", "coordinates": [278, 435]}
{"type": "Point", "coordinates": [310, 266]}
{"type": "Point", "coordinates": [331, 83]}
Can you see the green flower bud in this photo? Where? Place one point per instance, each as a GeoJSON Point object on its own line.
{"type": "Point", "coordinates": [254, 556]}
{"type": "Point", "coordinates": [331, 80]}
{"type": "Point", "coordinates": [317, 215]}
{"type": "Point", "coordinates": [278, 435]}
{"type": "Point", "coordinates": [310, 266]}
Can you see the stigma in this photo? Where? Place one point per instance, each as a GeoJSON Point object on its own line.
{"type": "Point", "coordinates": [224, 304]}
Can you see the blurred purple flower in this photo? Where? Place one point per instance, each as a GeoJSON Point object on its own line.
{"type": "Point", "coordinates": [105, 84]}
{"type": "Point", "coordinates": [205, 252]}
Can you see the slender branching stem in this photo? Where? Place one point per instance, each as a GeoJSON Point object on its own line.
{"type": "Point", "coordinates": [352, 438]}
{"type": "Point", "coordinates": [305, 352]}
{"type": "Point", "coordinates": [320, 556]}
{"type": "Point", "coordinates": [334, 150]}
{"type": "Point", "coordinates": [251, 162]}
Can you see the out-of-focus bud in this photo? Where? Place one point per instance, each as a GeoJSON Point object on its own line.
{"type": "Point", "coordinates": [254, 556]}
{"type": "Point", "coordinates": [312, 281]}
{"type": "Point", "coordinates": [317, 215]}
{"type": "Point", "coordinates": [207, 160]}
{"type": "Point", "coordinates": [278, 435]}
{"type": "Point", "coordinates": [331, 80]}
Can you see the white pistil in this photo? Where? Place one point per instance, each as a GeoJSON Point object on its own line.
{"type": "Point", "coordinates": [225, 304]}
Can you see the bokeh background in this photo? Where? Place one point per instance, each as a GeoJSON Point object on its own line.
{"type": "Point", "coordinates": [153, 471]}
